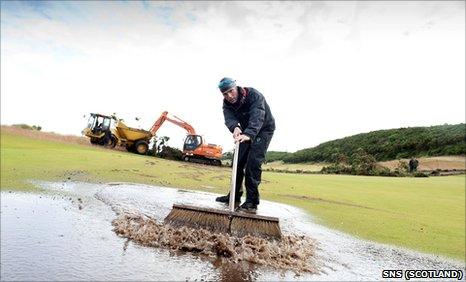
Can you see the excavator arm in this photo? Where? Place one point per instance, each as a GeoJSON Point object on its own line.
{"type": "Point", "coordinates": [176, 120]}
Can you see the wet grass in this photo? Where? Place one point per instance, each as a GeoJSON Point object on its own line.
{"type": "Point", "coordinates": [425, 214]}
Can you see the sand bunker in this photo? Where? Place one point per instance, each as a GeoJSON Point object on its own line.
{"type": "Point", "coordinates": [293, 252]}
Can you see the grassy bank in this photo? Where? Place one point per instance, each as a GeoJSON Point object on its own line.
{"type": "Point", "coordinates": [425, 214]}
{"type": "Point", "coordinates": [285, 167]}
{"type": "Point", "coordinates": [426, 164]}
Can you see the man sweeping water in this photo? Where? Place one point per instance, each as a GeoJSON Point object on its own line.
{"type": "Point", "coordinates": [248, 116]}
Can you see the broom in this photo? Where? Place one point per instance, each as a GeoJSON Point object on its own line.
{"type": "Point", "coordinates": [235, 223]}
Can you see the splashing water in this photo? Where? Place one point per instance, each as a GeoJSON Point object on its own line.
{"type": "Point", "coordinates": [292, 252]}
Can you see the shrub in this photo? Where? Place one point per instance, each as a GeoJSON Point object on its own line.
{"type": "Point", "coordinates": [228, 156]}
{"type": "Point", "coordinates": [402, 166]}
{"type": "Point", "coordinates": [383, 171]}
{"type": "Point", "coordinates": [420, 174]}
{"type": "Point", "coordinates": [273, 156]}
{"type": "Point", "coordinates": [28, 127]}
{"type": "Point", "coordinates": [170, 153]}
{"type": "Point", "coordinates": [337, 169]}
{"type": "Point", "coordinates": [363, 163]}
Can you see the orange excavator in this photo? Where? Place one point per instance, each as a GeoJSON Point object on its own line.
{"type": "Point", "coordinates": [195, 149]}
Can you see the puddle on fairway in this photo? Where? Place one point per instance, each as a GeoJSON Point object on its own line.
{"type": "Point", "coordinates": [290, 253]}
{"type": "Point", "coordinates": [66, 233]}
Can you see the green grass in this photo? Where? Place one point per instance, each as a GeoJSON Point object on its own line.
{"type": "Point", "coordinates": [425, 214]}
{"type": "Point", "coordinates": [305, 167]}
{"type": "Point", "coordinates": [25, 159]}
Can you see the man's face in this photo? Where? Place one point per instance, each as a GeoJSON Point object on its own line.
{"type": "Point", "coordinates": [231, 95]}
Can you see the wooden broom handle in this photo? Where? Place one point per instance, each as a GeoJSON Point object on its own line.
{"type": "Point", "coordinates": [233, 178]}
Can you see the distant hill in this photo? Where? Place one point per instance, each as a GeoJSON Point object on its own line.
{"type": "Point", "coordinates": [385, 145]}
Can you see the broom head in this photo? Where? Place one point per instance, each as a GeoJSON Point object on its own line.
{"type": "Point", "coordinates": [222, 221]}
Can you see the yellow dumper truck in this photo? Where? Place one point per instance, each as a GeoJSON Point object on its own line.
{"type": "Point", "coordinates": [101, 132]}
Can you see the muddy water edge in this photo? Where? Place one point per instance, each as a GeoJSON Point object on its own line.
{"type": "Point", "coordinates": [69, 231]}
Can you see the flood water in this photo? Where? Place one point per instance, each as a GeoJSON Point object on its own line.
{"type": "Point", "coordinates": [65, 232]}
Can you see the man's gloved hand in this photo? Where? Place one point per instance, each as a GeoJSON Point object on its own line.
{"type": "Point", "coordinates": [237, 132]}
{"type": "Point", "coordinates": [242, 138]}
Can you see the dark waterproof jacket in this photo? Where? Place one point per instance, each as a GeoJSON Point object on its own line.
{"type": "Point", "coordinates": [250, 111]}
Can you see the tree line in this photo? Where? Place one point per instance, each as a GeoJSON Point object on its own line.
{"type": "Point", "coordinates": [384, 145]}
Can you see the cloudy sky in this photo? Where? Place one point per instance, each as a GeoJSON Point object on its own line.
{"type": "Point", "coordinates": [327, 69]}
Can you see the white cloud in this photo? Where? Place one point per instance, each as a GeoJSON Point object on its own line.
{"type": "Point", "coordinates": [327, 69]}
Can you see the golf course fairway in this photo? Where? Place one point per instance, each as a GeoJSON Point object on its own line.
{"type": "Point", "coordinates": [423, 214]}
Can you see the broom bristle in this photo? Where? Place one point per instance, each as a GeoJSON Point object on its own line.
{"type": "Point", "coordinates": [198, 219]}
{"type": "Point", "coordinates": [241, 226]}
{"type": "Point", "coordinates": [237, 224]}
